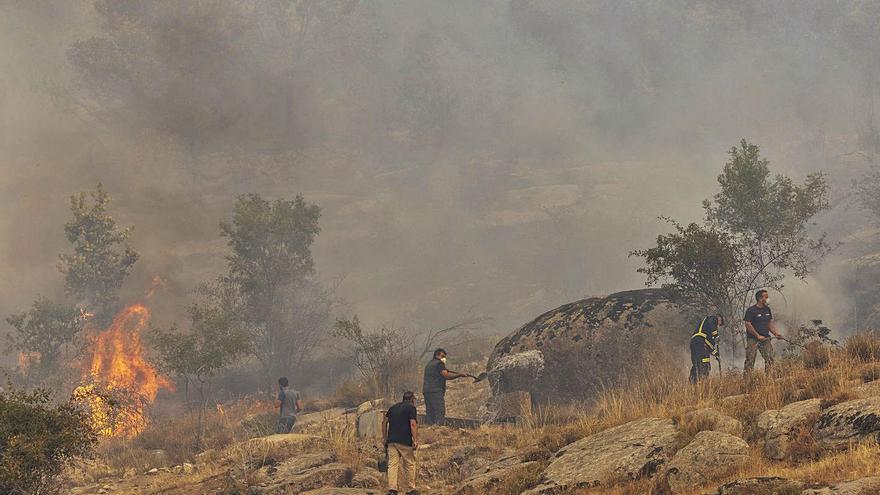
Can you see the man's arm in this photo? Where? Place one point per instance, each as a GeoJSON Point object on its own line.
{"type": "Point", "coordinates": [299, 405]}
{"type": "Point", "coordinates": [385, 429]}
{"type": "Point", "coordinates": [773, 330]}
{"type": "Point", "coordinates": [414, 427]}
{"type": "Point", "coordinates": [452, 375]}
{"type": "Point", "coordinates": [751, 330]}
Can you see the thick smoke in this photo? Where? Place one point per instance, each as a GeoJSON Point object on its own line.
{"type": "Point", "coordinates": [495, 158]}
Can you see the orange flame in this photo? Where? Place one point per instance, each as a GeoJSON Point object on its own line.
{"type": "Point", "coordinates": [119, 363]}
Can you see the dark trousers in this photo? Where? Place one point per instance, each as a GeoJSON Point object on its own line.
{"type": "Point", "coordinates": [285, 424]}
{"type": "Point", "coordinates": [701, 360]}
{"type": "Point", "coordinates": [435, 408]}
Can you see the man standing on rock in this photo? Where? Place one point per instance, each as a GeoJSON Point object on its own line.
{"type": "Point", "coordinates": [434, 387]}
{"type": "Point", "coordinates": [400, 432]}
{"type": "Point", "coordinates": [759, 326]}
{"type": "Point", "coordinates": [704, 345]}
{"type": "Point", "coordinates": [290, 404]}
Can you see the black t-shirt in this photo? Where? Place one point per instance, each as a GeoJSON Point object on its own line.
{"type": "Point", "coordinates": [760, 319]}
{"type": "Point", "coordinates": [399, 430]}
{"type": "Point", "coordinates": [434, 381]}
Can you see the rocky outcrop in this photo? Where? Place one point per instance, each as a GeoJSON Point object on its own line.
{"type": "Point", "coordinates": [300, 473]}
{"type": "Point", "coordinates": [778, 427]}
{"type": "Point", "coordinates": [486, 477]}
{"type": "Point", "coordinates": [573, 351]}
{"type": "Point", "coordinates": [709, 456]}
{"type": "Point", "coordinates": [635, 450]}
{"type": "Point", "coordinates": [864, 486]}
{"type": "Point", "coordinates": [710, 419]}
{"type": "Point", "coordinates": [343, 491]}
{"type": "Point", "coordinates": [852, 421]}
{"type": "Point", "coordinates": [761, 486]}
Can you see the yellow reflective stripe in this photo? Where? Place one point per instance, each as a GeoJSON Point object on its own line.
{"type": "Point", "coordinates": [705, 337]}
{"type": "Point", "coordinates": [707, 360]}
{"type": "Point", "coordinates": [700, 330]}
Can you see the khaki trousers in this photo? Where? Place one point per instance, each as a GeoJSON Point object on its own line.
{"type": "Point", "coordinates": [752, 348]}
{"type": "Point", "coordinates": [401, 468]}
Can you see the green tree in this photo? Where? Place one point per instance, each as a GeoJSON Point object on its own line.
{"type": "Point", "coordinates": [101, 257]}
{"type": "Point", "coordinates": [271, 257]}
{"type": "Point", "coordinates": [215, 340]}
{"type": "Point", "coordinates": [39, 439]}
{"type": "Point", "coordinates": [698, 262]}
{"type": "Point", "coordinates": [756, 231]}
{"type": "Point", "coordinates": [46, 336]}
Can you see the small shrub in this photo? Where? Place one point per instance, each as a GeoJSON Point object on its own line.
{"type": "Point", "coordinates": [864, 346]}
{"type": "Point", "coordinates": [38, 440]}
{"type": "Point", "coordinates": [820, 385]}
{"type": "Point", "coordinates": [815, 355]}
{"type": "Point", "coordinates": [352, 392]}
{"type": "Point", "coordinates": [691, 426]}
{"type": "Point", "coordinates": [749, 419]}
{"type": "Point", "coordinates": [802, 445]}
{"type": "Point", "coordinates": [870, 373]}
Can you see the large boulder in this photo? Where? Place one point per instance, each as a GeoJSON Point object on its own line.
{"type": "Point", "coordinates": [488, 476]}
{"type": "Point", "coordinates": [767, 485]}
{"type": "Point", "coordinates": [778, 427]}
{"type": "Point", "coordinates": [864, 486]}
{"type": "Point", "coordinates": [852, 421]}
{"type": "Point", "coordinates": [572, 352]}
{"type": "Point", "coordinates": [709, 456]}
{"type": "Point", "coordinates": [634, 450]}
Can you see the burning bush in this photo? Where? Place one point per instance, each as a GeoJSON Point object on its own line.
{"type": "Point", "coordinates": [37, 440]}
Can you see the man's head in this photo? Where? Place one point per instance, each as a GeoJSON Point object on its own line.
{"type": "Point", "coordinates": [762, 296]}
{"type": "Point", "coordinates": [409, 397]}
{"type": "Point", "coordinates": [440, 354]}
{"type": "Point", "coordinates": [282, 382]}
{"type": "Point", "coordinates": [719, 319]}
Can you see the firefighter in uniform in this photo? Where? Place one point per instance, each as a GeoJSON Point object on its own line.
{"type": "Point", "coordinates": [704, 345]}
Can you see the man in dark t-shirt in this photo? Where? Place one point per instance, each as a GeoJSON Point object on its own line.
{"type": "Point", "coordinates": [759, 327]}
{"type": "Point", "coordinates": [400, 431]}
{"type": "Point", "coordinates": [434, 387]}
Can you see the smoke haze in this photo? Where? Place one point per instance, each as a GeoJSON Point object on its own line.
{"type": "Point", "coordinates": [496, 158]}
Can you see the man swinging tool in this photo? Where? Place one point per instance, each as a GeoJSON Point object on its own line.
{"type": "Point", "coordinates": [704, 345]}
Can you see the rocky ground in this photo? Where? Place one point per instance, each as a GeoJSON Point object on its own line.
{"type": "Point", "coordinates": [805, 431]}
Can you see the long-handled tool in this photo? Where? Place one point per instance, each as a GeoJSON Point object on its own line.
{"type": "Point", "coordinates": [780, 337]}
{"type": "Point", "coordinates": [482, 376]}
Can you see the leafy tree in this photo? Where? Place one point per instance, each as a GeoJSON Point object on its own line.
{"type": "Point", "coordinates": [46, 335]}
{"type": "Point", "coordinates": [698, 262]}
{"type": "Point", "coordinates": [38, 440]}
{"type": "Point", "coordinates": [215, 340]}
{"type": "Point", "coordinates": [101, 258]}
{"type": "Point", "coordinates": [756, 231]}
{"type": "Point", "coordinates": [271, 257]}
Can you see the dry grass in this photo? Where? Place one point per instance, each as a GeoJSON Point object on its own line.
{"type": "Point", "coordinates": [826, 374]}
{"type": "Point", "coordinates": [864, 346]}
{"type": "Point", "coordinates": [821, 373]}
